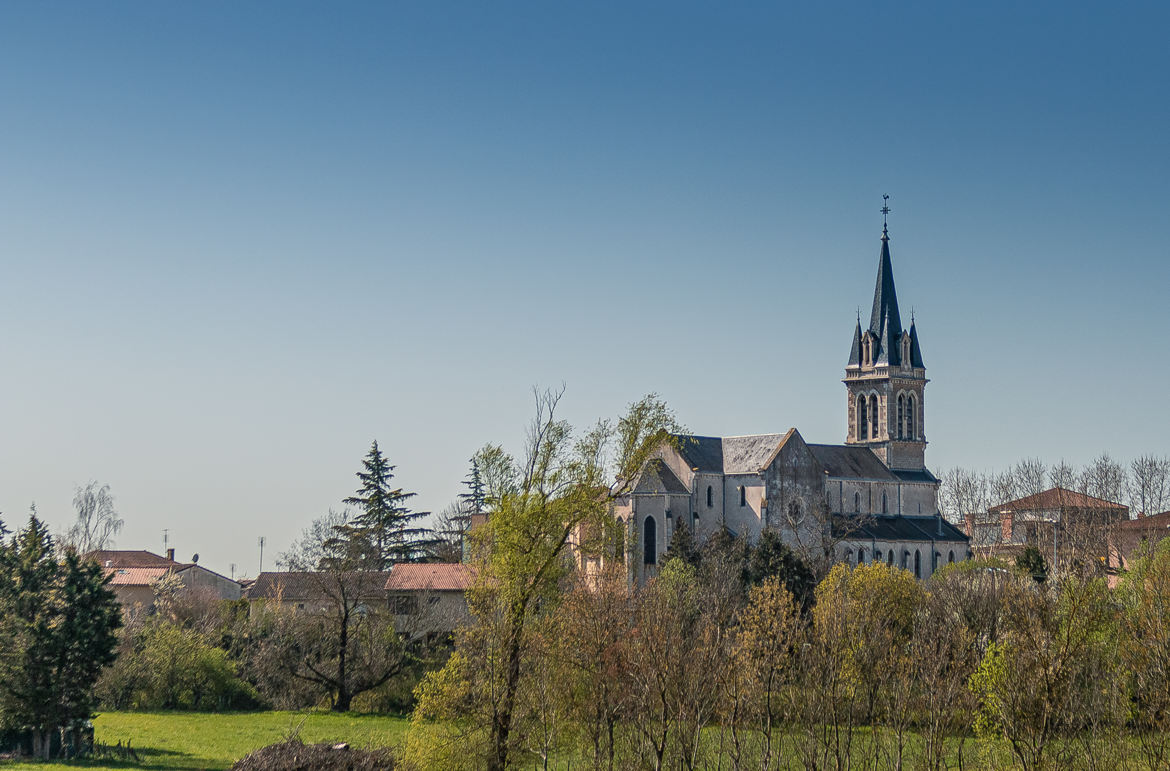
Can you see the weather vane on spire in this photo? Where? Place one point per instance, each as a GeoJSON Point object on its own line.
{"type": "Point", "coordinates": [885, 211]}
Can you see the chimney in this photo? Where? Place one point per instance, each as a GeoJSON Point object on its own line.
{"type": "Point", "coordinates": [171, 554]}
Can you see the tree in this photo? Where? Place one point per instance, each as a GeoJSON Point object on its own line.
{"type": "Point", "coordinates": [97, 519]}
{"type": "Point", "coordinates": [560, 492]}
{"type": "Point", "coordinates": [350, 645]}
{"type": "Point", "coordinates": [57, 634]}
{"type": "Point", "coordinates": [384, 527]}
{"type": "Point", "coordinates": [1149, 485]}
{"type": "Point", "coordinates": [771, 558]}
{"type": "Point", "coordinates": [1031, 562]}
{"type": "Point", "coordinates": [682, 546]}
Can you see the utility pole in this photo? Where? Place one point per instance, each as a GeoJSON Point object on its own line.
{"type": "Point", "coordinates": [260, 543]}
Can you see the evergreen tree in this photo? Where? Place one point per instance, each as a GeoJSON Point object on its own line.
{"type": "Point", "coordinates": [1031, 562]}
{"type": "Point", "coordinates": [772, 558]}
{"type": "Point", "coordinates": [474, 500]}
{"type": "Point", "coordinates": [57, 634]}
{"type": "Point", "coordinates": [682, 546]}
{"type": "Point", "coordinates": [384, 529]}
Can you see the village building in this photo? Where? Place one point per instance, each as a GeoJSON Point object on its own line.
{"type": "Point", "coordinates": [425, 598]}
{"type": "Point", "coordinates": [134, 574]}
{"type": "Point", "coordinates": [867, 500]}
{"type": "Point", "coordinates": [1062, 524]}
{"type": "Point", "coordinates": [429, 597]}
{"type": "Point", "coordinates": [1127, 540]}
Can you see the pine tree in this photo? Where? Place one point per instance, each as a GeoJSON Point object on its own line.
{"type": "Point", "coordinates": [58, 633]}
{"type": "Point", "coordinates": [682, 546]}
{"type": "Point", "coordinates": [384, 528]}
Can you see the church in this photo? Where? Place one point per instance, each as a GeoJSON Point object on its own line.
{"type": "Point", "coordinates": [871, 499]}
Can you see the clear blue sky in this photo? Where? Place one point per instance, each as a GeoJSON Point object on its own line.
{"type": "Point", "coordinates": [239, 241]}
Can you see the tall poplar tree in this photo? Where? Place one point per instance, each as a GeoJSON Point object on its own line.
{"type": "Point", "coordinates": [385, 529]}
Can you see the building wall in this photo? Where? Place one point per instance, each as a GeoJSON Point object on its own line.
{"type": "Point", "coordinates": [196, 577]}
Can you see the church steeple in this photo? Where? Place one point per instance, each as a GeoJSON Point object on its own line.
{"type": "Point", "coordinates": [885, 377]}
{"type": "Point", "coordinates": [884, 321]}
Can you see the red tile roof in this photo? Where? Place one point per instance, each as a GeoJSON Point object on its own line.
{"type": "Point", "coordinates": [1057, 498]}
{"type": "Point", "coordinates": [1152, 522]}
{"type": "Point", "coordinates": [305, 585]}
{"type": "Point", "coordinates": [136, 576]}
{"type": "Point", "coordinates": [123, 558]}
{"type": "Point", "coordinates": [433, 576]}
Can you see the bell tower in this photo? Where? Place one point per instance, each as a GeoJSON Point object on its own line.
{"type": "Point", "coordinates": [886, 379]}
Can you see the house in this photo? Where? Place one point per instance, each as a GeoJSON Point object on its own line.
{"type": "Point", "coordinates": [429, 597]}
{"type": "Point", "coordinates": [319, 591]}
{"type": "Point", "coordinates": [870, 498]}
{"type": "Point", "coordinates": [1062, 524]}
{"type": "Point", "coordinates": [134, 574]}
{"type": "Point", "coordinates": [1130, 535]}
{"type": "Point", "coordinates": [425, 598]}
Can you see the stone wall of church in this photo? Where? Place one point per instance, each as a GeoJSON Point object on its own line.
{"type": "Point", "coordinates": [794, 483]}
{"type": "Point", "coordinates": [744, 519]}
{"type": "Point", "coordinates": [854, 496]}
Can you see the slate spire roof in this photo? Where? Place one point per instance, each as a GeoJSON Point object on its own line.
{"type": "Point", "coordinates": [884, 321]}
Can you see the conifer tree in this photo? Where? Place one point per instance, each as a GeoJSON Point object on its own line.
{"type": "Point", "coordinates": [385, 529]}
{"type": "Point", "coordinates": [56, 635]}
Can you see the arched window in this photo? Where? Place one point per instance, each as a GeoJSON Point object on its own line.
{"type": "Point", "coordinates": [901, 415]}
{"type": "Point", "coordinates": [951, 556]}
{"type": "Point", "coordinates": [877, 555]}
{"type": "Point", "coordinates": [890, 558]}
{"type": "Point", "coordinates": [742, 495]}
{"type": "Point", "coordinates": [873, 417]}
{"type": "Point", "coordinates": [650, 542]}
{"type": "Point", "coordinates": [860, 556]}
{"type": "Point", "coordinates": [911, 423]}
{"type": "Point", "coordinates": [848, 556]}
{"type": "Point", "coordinates": [917, 564]}
{"type": "Point", "coordinates": [862, 419]}
{"type": "Point", "coordinates": [905, 559]}
{"type": "Point", "coordinates": [885, 504]}
{"type": "Point", "coordinates": [857, 502]}
{"type": "Point", "coordinates": [709, 498]}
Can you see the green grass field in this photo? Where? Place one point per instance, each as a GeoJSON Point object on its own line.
{"type": "Point", "coordinates": [185, 740]}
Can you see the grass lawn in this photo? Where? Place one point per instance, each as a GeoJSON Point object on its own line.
{"type": "Point", "coordinates": [188, 740]}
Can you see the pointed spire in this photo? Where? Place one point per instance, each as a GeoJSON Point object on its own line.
{"type": "Point", "coordinates": [884, 320]}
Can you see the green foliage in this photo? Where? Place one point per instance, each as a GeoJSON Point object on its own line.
{"type": "Point", "coordinates": [385, 529]}
{"type": "Point", "coordinates": [683, 547]}
{"type": "Point", "coordinates": [1031, 562]}
{"type": "Point", "coordinates": [771, 558]}
{"type": "Point", "coordinates": [58, 624]}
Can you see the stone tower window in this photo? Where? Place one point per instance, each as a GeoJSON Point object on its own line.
{"type": "Point", "coordinates": [650, 542]}
{"type": "Point", "coordinates": [873, 417]}
{"type": "Point", "coordinates": [901, 415]}
{"type": "Point", "coordinates": [862, 419]}
{"type": "Point", "coordinates": [742, 495]}
{"type": "Point", "coordinates": [885, 504]}
{"type": "Point", "coordinates": [911, 411]}
{"type": "Point", "coordinates": [917, 564]}
{"type": "Point", "coordinates": [857, 502]}
{"type": "Point", "coordinates": [709, 498]}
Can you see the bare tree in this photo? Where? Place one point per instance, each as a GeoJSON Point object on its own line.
{"type": "Point", "coordinates": [349, 644]}
{"type": "Point", "coordinates": [963, 493]}
{"type": "Point", "coordinates": [1149, 485]}
{"type": "Point", "coordinates": [1104, 478]}
{"type": "Point", "coordinates": [1031, 475]}
{"type": "Point", "coordinates": [97, 519]}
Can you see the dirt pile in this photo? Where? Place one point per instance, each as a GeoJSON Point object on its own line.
{"type": "Point", "coordinates": [294, 755]}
